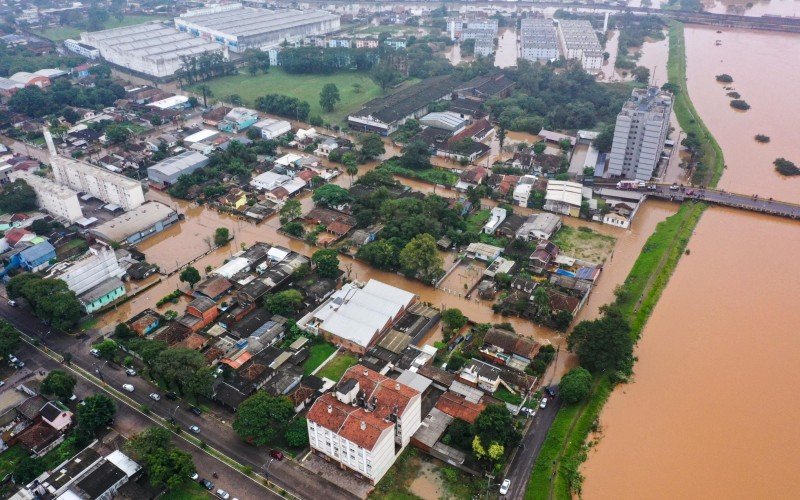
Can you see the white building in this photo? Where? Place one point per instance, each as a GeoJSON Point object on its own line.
{"type": "Point", "coordinates": [168, 171]}
{"type": "Point", "coordinates": [564, 197]}
{"type": "Point", "coordinates": [269, 180]}
{"type": "Point", "coordinates": [522, 193]}
{"type": "Point", "coordinates": [240, 28]}
{"type": "Point", "coordinates": [639, 135]}
{"type": "Point", "coordinates": [97, 265]}
{"type": "Point", "coordinates": [81, 48]}
{"type": "Point", "coordinates": [172, 102]}
{"type": "Point", "coordinates": [112, 188]}
{"type": "Point", "coordinates": [465, 28]}
{"type": "Point", "coordinates": [497, 217]}
{"type": "Point", "coordinates": [57, 200]}
{"type": "Point", "coordinates": [272, 129]}
{"type": "Point", "coordinates": [539, 227]}
{"type": "Point", "coordinates": [579, 41]}
{"type": "Point", "coordinates": [538, 39]}
{"type": "Point", "coordinates": [367, 423]}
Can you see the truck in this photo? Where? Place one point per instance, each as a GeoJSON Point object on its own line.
{"type": "Point", "coordinates": [628, 184]}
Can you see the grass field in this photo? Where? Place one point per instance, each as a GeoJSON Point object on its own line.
{"type": "Point", "coordinates": [63, 32]}
{"type": "Point", "coordinates": [187, 491]}
{"type": "Point", "coordinates": [317, 354]}
{"type": "Point", "coordinates": [10, 458]}
{"type": "Point", "coordinates": [337, 366]}
{"type": "Point", "coordinates": [303, 87]}
{"type": "Point", "coordinates": [584, 244]}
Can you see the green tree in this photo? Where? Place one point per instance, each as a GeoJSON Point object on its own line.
{"type": "Point", "coordinates": [123, 331]}
{"type": "Point", "coordinates": [326, 262]}
{"type": "Point", "coordinates": [575, 385]}
{"type": "Point", "coordinates": [329, 96]}
{"type": "Point", "coordinates": [456, 362]}
{"type": "Point", "coordinates": [107, 349]}
{"type": "Point", "coordinates": [184, 370]}
{"type": "Point", "coordinates": [190, 275]}
{"type": "Point", "coordinates": [495, 424]}
{"type": "Point", "coordinates": [350, 165]}
{"type": "Point", "coordinates": [261, 418]}
{"type": "Point", "coordinates": [221, 236]}
{"type": "Point", "coordinates": [501, 136]}
{"type": "Point", "coordinates": [117, 134]}
{"type": "Point", "coordinates": [605, 139]}
{"type": "Point", "coordinates": [284, 303]}
{"type": "Point", "coordinates": [17, 196]}
{"type": "Point", "coordinates": [297, 433]}
{"type": "Point", "coordinates": [384, 75]}
{"type": "Point", "coordinates": [539, 147]}
{"type": "Point", "coordinates": [331, 195]}
{"type": "Point", "coordinates": [95, 413]}
{"type": "Point", "coordinates": [9, 338]}
{"type": "Point", "coordinates": [59, 384]}
{"type": "Point", "coordinates": [420, 257]}
{"type": "Point", "coordinates": [416, 156]}
{"type": "Point", "coordinates": [290, 211]}
{"type": "Point", "coordinates": [604, 344]}
{"type": "Point", "coordinates": [294, 228]}
{"type": "Point", "coordinates": [165, 465]}
{"type": "Point", "coordinates": [380, 254]}
{"type": "Point", "coordinates": [371, 147]}
{"type": "Point", "coordinates": [453, 320]}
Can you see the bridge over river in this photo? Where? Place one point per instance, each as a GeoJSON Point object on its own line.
{"type": "Point", "coordinates": [680, 194]}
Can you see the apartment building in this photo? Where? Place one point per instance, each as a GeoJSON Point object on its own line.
{"type": "Point", "coordinates": [579, 41]}
{"type": "Point", "coordinates": [538, 40]}
{"type": "Point", "coordinates": [641, 129]}
{"type": "Point", "coordinates": [59, 201]}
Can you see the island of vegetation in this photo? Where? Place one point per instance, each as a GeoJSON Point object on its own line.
{"type": "Point", "coordinates": [762, 138]}
{"type": "Point", "coordinates": [725, 78]}
{"type": "Point", "coordinates": [786, 167]}
{"type": "Point", "coordinates": [740, 104]}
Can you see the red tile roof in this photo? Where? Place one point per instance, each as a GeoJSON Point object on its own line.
{"type": "Point", "coordinates": [15, 234]}
{"type": "Point", "coordinates": [458, 407]}
{"type": "Point", "coordinates": [352, 423]}
{"type": "Point", "coordinates": [389, 392]}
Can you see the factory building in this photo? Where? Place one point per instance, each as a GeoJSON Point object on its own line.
{"type": "Point", "coordinates": [167, 172]}
{"type": "Point", "coordinates": [112, 188]}
{"type": "Point", "coordinates": [139, 224]}
{"type": "Point", "coordinates": [579, 41]}
{"type": "Point", "coordinates": [96, 266]}
{"type": "Point", "coordinates": [58, 201]}
{"type": "Point", "coordinates": [538, 40]}
{"type": "Point", "coordinates": [639, 135]}
{"type": "Point", "coordinates": [240, 28]}
{"type": "Point", "coordinates": [81, 49]}
{"type": "Point", "coordinates": [151, 49]}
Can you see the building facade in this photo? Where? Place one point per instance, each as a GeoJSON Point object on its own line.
{"type": "Point", "coordinates": [579, 41]}
{"type": "Point", "coordinates": [641, 129]}
{"type": "Point", "coordinates": [538, 40]}
{"type": "Point", "coordinates": [97, 265]}
{"type": "Point", "coordinates": [81, 48]}
{"type": "Point", "coordinates": [59, 201]}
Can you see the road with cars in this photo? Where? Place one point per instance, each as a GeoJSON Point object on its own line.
{"type": "Point", "coordinates": [215, 432]}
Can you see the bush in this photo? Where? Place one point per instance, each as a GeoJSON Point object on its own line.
{"type": "Point", "coordinates": [740, 104]}
{"type": "Point", "coordinates": [725, 78]}
{"type": "Point", "coordinates": [762, 138]}
{"type": "Point", "coordinates": [786, 167]}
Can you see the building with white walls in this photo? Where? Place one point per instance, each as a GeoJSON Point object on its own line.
{"type": "Point", "coordinates": [81, 48]}
{"type": "Point", "coordinates": [641, 129]}
{"type": "Point", "coordinates": [579, 41]}
{"type": "Point", "coordinates": [97, 265]}
{"type": "Point", "coordinates": [538, 39]}
{"type": "Point", "coordinates": [55, 199]}
{"type": "Point", "coordinates": [365, 424]}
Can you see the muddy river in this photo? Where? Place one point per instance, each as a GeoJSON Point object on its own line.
{"type": "Point", "coordinates": [712, 411]}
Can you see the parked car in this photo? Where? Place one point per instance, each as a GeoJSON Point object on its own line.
{"type": "Point", "coordinates": [551, 390]}
{"type": "Point", "coordinates": [504, 487]}
{"type": "Point", "coordinates": [171, 395]}
{"type": "Point", "coordinates": [194, 429]}
{"type": "Point", "coordinates": [276, 454]}
{"type": "Point", "coordinates": [224, 495]}
{"type": "Point", "coordinates": [128, 387]}
{"type": "Point", "coordinates": [197, 411]}
{"type": "Point", "coordinates": [155, 397]}
{"type": "Point", "coordinates": [95, 353]}
{"type": "Point", "coordinates": [12, 303]}
{"type": "Point", "coordinates": [543, 403]}
{"type": "Point", "coordinates": [130, 372]}
{"type": "Point", "coordinates": [194, 476]}
{"type": "Point", "coordinates": [205, 483]}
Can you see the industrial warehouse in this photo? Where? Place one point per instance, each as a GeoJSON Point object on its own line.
{"type": "Point", "coordinates": [158, 50]}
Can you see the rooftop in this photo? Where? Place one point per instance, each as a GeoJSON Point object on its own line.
{"type": "Point", "coordinates": [408, 100]}
{"type": "Point", "coordinates": [137, 220]}
{"type": "Point", "coordinates": [242, 21]}
{"type": "Point", "coordinates": [179, 163]}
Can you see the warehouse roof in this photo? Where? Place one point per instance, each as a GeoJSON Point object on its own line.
{"type": "Point", "coordinates": [139, 219]}
{"type": "Point", "coordinates": [447, 120]}
{"type": "Point", "coordinates": [179, 163]}
{"type": "Point", "coordinates": [564, 191]}
{"type": "Point", "coordinates": [408, 100]}
{"type": "Point", "coordinates": [243, 21]}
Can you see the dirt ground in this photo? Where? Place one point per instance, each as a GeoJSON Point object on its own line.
{"type": "Point", "coordinates": [585, 244]}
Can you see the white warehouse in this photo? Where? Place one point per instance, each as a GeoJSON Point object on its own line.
{"type": "Point", "coordinates": [240, 28]}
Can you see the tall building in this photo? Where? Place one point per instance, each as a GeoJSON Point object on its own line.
{"type": "Point", "coordinates": [639, 135]}
{"type": "Point", "coordinates": [84, 178]}
{"type": "Point", "coordinates": [579, 41]}
{"type": "Point", "coordinates": [538, 39]}
{"type": "Point", "coordinates": [58, 201]}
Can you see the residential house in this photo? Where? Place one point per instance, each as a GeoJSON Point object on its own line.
{"type": "Point", "coordinates": [482, 375]}
{"type": "Point", "coordinates": [498, 215]}
{"type": "Point", "coordinates": [471, 178]}
{"type": "Point", "coordinates": [145, 322]}
{"type": "Point", "coordinates": [213, 287]}
{"type": "Point", "coordinates": [200, 313]}
{"type": "Point", "coordinates": [539, 227]}
{"type": "Point", "coordinates": [483, 251]}
{"type": "Point", "coordinates": [104, 294]}
{"type": "Point", "coordinates": [503, 347]}
{"type": "Point", "coordinates": [36, 257]}
{"type": "Point", "coordinates": [238, 119]}
{"type": "Point", "coordinates": [235, 198]}
{"type": "Point", "coordinates": [213, 117]}
{"type": "Point", "coordinates": [544, 255]}
{"type": "Point", "coordinates": [564, 197]}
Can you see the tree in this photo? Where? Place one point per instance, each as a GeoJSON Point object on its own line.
{"type": "Point", "coordinates": [123, 331]}
{"type": "Point", "coordinates": [456, 362]}
{"type": "Point", "coordinates": [9, 338]}
{"type": "Point", "coordinates": [284, 303]}
{"type": "Point", "coordinates": [261, 418]}
{"type": "Point", "coordinates": [604, 344]}
{"type": "Point", "coordinates": [331, 195]}
{"type": "Point", "coordinates": [117, 134]}
{"type": "Point", "coordinates": [501, 136]}
{"type": "Point", "coordinates": [371, 147]}
{"type": "Point", "coordinates": [165, 465]}
{"type": "Point", "coordinates": [495, 424]}
{"type": "Point", "coordinates": [107, 349]}
{"type": "Point", "coordinates": [575, 385]}
{"type": "Point", "coordinates": [605, 139]}
{"type": "Point", "coordinates": [641, 74]}
{"type": "Point", "coordinates": [539, 147]}
{"type": "Point", "coordinates": [297, 433]}
{"type": "Point", "coordinates": [184, 370]}
{"type": "Point", "coordinates": [420, 257]}
{"type": "Point", "coordinates": [326, 262]}
{"type": "Point", "coordinates": [70, 115]}
{"type": "Point", "coordinates": [221, 236]}
{"type": "Point", "coordinates": [95, 413]}
{"type": "Point", "coordinates": [329, 96]}
{"type": "Point", "coordinates": [17, 196]}
{"type": "Point", "coordinates": [380, 254]}
{"type": "Point", "coordinates": [416, 156]}
{"type": "Point", "coordinates": [51, 299]}
{"type": "Point", "coordinates": [290, 210]}
{"type": "Point", "coordinates": [59, 384]}
{"type": "Point", "coordinates": [384, 75]}
{"type": "Point", "coordinates": [454, 320]}
{"type": "Point", "coordinates": [190, 275]}
{"type": "Point", "coordinates": [350, 164]}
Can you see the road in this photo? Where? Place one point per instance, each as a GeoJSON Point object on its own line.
{"type": "Point", "coordinates": [522, 464]}
{"type": "Point", "coordinates": [215, 432]}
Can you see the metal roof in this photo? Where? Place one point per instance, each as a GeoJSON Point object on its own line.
{"type": "Point", "coordinates": [247, 21]}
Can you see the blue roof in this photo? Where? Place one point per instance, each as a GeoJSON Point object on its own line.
{"type": "Point", "coordinates": [586, 273]}
{"type": "Point", "coordinates": [38, 251]}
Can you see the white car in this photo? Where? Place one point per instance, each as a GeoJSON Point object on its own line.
{"type": "Point", "coordinates": [95, 353]}
{"type": "Point", "coordinates": [504, 487]}
{"type": "Point", "coordinates": [543, 403]}
{"type": "Point", "coordinates": [194, 476]}
{"type": "Point", "coordinates": [224, 495]}
{"type": "Point", "coordinates": [130, 372]}
{"type": "Point", "coordinates": [194, 429]}
{"type": "Point", "coordinates": [128, 387]}
{"type": "Point", "coordinates": [155, 397]}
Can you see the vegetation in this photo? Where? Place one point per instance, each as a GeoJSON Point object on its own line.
{"type": "Point", "coordinates": [59, 384]}
{"type": "Point", "coordinates": [325, 60]}
{"type": "Point", "coordinates": [182, 370]}
{"type": "Point", "coordinates": [331, 196]}
{"type": "Point", "coordinates": [190, 275]}
{"type": "Point", "coordinates": [575, 385]}
{"type": "Point", "coordinates": [290, 211]}
{"type": "Point", "coordinates": [740, 104]}
{"type": "Point", "coordinates": [432, 175]}
{"type": "Point", "coordinates": [329, 96]}
{"type": "Point", "coordinates": [453, 321]}
{"type": "Point", "coordinates": [326, 262]}
{"type": "Point", "coordinates": [221, 236]}
{"type": "Point", "coordinates": [36, 103]}
{"type": "Point", "coordinates": [72, 27]}
{"type": "Point", "coordinates": [633, 31]}
{"type": "Point", "coordinates": [166, 465]}
{"type": "Point", "coordinates": [9, 339]}
{"type": "Point", "coordinates": [20, 58]}
{"type": "Point", "coordinates": [724, 78]}
{"type": "Point", "coordinates": [261, 419]}
{"type": "Point", "coordinates": [604, 345]}
{"type": "Point", "coordinates": [17, 196]}
{"type": "Point", "coordinates": [297, 433]}
{"type": "Point", "coordinates": [318, 353]}
{"type": "Point", "coordinates": [786, 167]}
{"type": "Point", "coordinates": [170, 297]}
{"type": "Point", "coordinates": [52, 301]}
{"type": "Point", "coordinates": [285, 303]}
{"type": "Point", "coordinates": [335, 368]}
{"type": "Point", "coordinates": [95, 413]}
{"type": "Point", "coordinates": [762, 138]}
{"type": "Point", "coordinates": [420, 258]}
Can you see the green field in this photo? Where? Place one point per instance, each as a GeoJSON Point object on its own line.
{"type": "Point", "coordinates": [63, 32]}
{"type": "Point", "coordinates": [317, 354]}
{"type": "Point", "coordinates": [303, 87]}
{"type": "Point", "coordinates": [187, 491]}
{"type": "Point", "coordinates": [337, 366]}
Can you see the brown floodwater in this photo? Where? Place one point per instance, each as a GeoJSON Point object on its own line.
{"type": "Point", "coordinates": [785, 8]}
{"type": "Point", "coordinates": [506, 55]}
{"type": "Point", "coordinates": [711, 412]}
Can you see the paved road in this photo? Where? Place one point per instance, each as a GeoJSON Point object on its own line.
{"type": "Point", "coordinates": [216, 432]}
{"type": "Point", "coordinates": [532, 440]}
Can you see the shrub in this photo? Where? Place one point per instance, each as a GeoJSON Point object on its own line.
{"type": "Point", "coordinates": [786, 167]}
{"type": "Point", "coordinates": [725, 78]}
{"type": "Point", "coordinates": [740, 104]}
{"type": "Point", "coordinates": [762, 138]}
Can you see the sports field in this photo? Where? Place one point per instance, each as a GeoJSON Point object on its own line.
{"type": "Point", "coordinates": [61, 33]}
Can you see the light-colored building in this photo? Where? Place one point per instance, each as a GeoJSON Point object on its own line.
{"type": "Point", "coordinates": [579, 41]}
{"type": "Point", "coordinates": [445, 120]}
{"type": "Point", "coordinates": [272, 129]}
{"type": "Point", "coordinates": [168, 171]}
{"type": "Point", "coordinates": [240, 28]}
{"type": "Point", "coordinates": [464, 28]}
{"type": "Point", "coordinates": [498, 215]}
{"type": "Point", "coordinates": [97, 265]}
{"type": "Point", "coordinates": [153, 49]}
{"type": "Point", "coordinates": [366, 423]}
{"type": "Point", "coordinates": [238, 119]}
{"type": "Point", "coordinates": [132, 227]}
{"type": "Point", "coordinates": [112, 188]}
{"type": "Point", "coordinates": [564, 197]}
{"type": "Point", "coordinates": [538, 39]}
{"type": "Point", "coordinates": [81, 48]}
{"type": "Point", "coordinates": [57, 200]}
{"type": "Point", "coordinates": [102, 295]}
{"type": "Point", "coordinates": [269, 180]}
{"type": "Point", "coordinates": [539, 227]}
{"type": "Point", "coordinates": [641, 129]}
{"type": "Point", "coordinates": [483, 251]}
{"type": "Point", "coordinates": [173, 102]}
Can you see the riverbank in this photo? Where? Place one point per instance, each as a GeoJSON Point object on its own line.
{"type": "Point", "coordinates": [556, 471]}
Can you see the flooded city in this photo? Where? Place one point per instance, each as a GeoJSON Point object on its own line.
{"type": "Point", "coordinates": [704, 416]}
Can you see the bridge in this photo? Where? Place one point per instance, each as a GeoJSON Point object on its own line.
{"type": "Point", "coordinates": [680, 194]}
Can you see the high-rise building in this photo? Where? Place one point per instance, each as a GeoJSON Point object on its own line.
{"type": "Point", "coordinates": [579, 41]}
{"type": "Point", "coordinates": [57, 200]}
{"type": "Point", "coordinates": [538, 39]}
{"type": "Point", "coordinates": [639, 135]}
